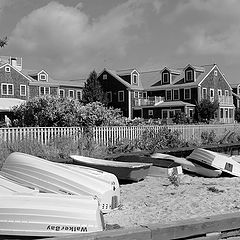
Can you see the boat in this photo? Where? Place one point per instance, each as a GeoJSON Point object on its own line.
{"type": "Point", "coordinates": [159, 167]}
{"type": "Point", "coordinates": [189, 166]}
{"type": "Point", "coordinates": [10, 187]}
{"type": "Point", "coordinates": [130, 171]}
{"type": "Point", "coordinates": [48, 215]}
{"type": "Point", "coordinates": [50, 177]}
{"type": "Point", "coordinates": [216, 160]}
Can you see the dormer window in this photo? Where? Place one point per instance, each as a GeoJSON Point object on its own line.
{"type": "Point", "coordinates": [189, 75]}
{"type": "Point", "coordinates": [165, 77]}
{"type": "Point", "coordinates": [135, 79]}
{"type": "Point", "coordinates": [43, 77]}
{"type": "Point", "coordinates": [7, 69]}
{"type": "Point", "coordinates": [104, 76]}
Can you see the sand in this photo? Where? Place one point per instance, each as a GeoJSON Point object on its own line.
{"type": "Point", "coordinates": [156, 200]}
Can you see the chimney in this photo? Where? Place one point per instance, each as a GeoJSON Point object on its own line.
{"type": "Point", "coordinates": [17, 63]}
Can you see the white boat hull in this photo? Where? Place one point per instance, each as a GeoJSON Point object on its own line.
{"type": "Point", "coordinates": [50, 177]}
{"type": "Point", "coordinates": [216, 160]}
{"type": "Point", "coordinates": [48, 215]}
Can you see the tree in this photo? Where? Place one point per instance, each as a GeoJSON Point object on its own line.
{"type": "Point", "coordinates": [92, 91]}
{"type": "Point", "coordinates": [3, 42]}
{"type": "Point", "coordinates": [180, 118]}
{"type": "Point", "coordinates": [206, 109]}
{"type": "Point", "coordinates": [237, 115]}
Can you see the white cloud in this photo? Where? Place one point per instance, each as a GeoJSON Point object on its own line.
{"type": "Point", "coordinates": [67, 41]}
{"type": "Point", "coordinates": [218, 32]}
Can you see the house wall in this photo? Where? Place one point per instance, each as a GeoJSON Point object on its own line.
{"type": "Point", "coordinates": [112, 85]}
{"type": "Point", "coordinates": [15, 78]}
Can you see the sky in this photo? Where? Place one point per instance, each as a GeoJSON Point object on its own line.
{"type": "Point", "coordinates": [71, 38]}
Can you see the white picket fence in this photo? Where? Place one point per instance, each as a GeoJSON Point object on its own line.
{"type": "Point", "coordinates": [109, 135]}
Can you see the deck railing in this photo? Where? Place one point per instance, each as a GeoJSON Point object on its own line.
{"type": "Point", "coordinates": [110, 135]}
{"type": "Point", "coordinates": [150, 101]}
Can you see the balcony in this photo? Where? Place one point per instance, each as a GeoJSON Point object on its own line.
{"type": "Point", "coordinates": [225, 100]}
{"type": "Point", "coordinates": [150, 101]}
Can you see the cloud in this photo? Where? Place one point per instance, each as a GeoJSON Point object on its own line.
{"type": "Point", "coordinates": [3, 4]}
{"type": "Point", "coordinates": [69, 42]}
{"type": "Point", "coordinates": [218, 32]}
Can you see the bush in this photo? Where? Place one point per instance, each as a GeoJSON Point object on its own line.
{"type": "Point", "coordinates": [181, 118]}
{"type": "Point", "coordinates": [208, 137]}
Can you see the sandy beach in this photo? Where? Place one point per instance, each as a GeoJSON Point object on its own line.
{"type": "Point", "coordinates": [156, 200]}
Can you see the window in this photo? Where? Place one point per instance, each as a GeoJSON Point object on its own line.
{"type": "Point", "coordinates": [171, 113]}
{"type": "Point", "coordinates": [189, 75]}
{"type": "Point", "coordinates": [23, 90]}
{"type": "Point", "coordinates": [120, 96]}
{"type": "Point", "coordinates": [144, 95]}
{"type": "Point", "coordinates": [44, 91]}
{"type": "Point", "coordinates": [109, 96]}
{"type": "Point", "coordinates": [150, 112]}
{"type": "Point", "coordinates": [135, 78]}
{"type": "Point", "coordinates": [219, 92]}
{"type": "Point", "coordinates": [187, 93]}
{"type": "Point", "coordinates": [166, 78]}
{"type": "Point", "coordinates": [7, 69]}
{"type": "Point", "coordinates": [135, 94]}
{"type": "Point", "coordinates": [211, 93]}
{"type": "Point", "coordinates": [204, 93]}
{"type": "Point", "coordinates": [226, 112]}
{"type": "Point", "coordinates": [79, 95]}
{"type": "Point", "coordinates": [190, 113]}
{"type": "Point", "coordinates": [164, 114]}
{"type": "Point", "coordinates": [176, 94]}
{"type": "Point", "coordinates": [168, 94]}
{"type": "Point", "coordinates": [104, 76]}
{"type": "Point", "coordinates": [226, 93]}
{"type": "Point", "coordinates": [43, 77]}
{"type": "Point", "coordinates": [71, 93]}
{"type": "Point", "coordinates": [61, 93]}
{"type": "Point", "coordinates": [221, 112]}
{"type": "Point", "coordinates": [215, 73]}
{"type": "Point", "coordinates": [7, 89]}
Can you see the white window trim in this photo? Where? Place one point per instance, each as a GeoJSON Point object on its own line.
{"type": "Point", "coordinates": [25, 91]}
{"type": "Point", "coordinates": [212, 91]}
{"type": "Point", "coordinates": [7, 84]}
{"type": "Point", "coordinates": [192, 75]}
{"type": "Point", "coordinates": [7, 69]}
{"type": "Point", "coordinates": [110, 98]}
{"type": "Point", "coordinates": [43, 90]}
{"type": "Point", "coordinates": [136, 94]}
{"type": "Point", "coordinates": [120, 100]}
{"type": "Point", "coordinates": [220, 91]}
{"type": "Point", "coordinates": [69, 91]}
{"type": "Point", "coordinates": [62, 90]}
{"type": "Point", "coordinates": [104, 76]}
{"type": "Point", "coordinates": [168, 77]}
{"type": "Point", "coordinates": [185, 93]}
{"type": "Point", "coordinates": [215, 73]}
{"type": "Point", "coordinates": [167, 95]}
{"type": "Point", "coordinates": [178, 94]}
{"type": "Point", "coordinates": [133, 75]}
{"type": "Point", "coordinates": [78, 91]}
{"type": "Point", "coordinates": [150, 112]}
{"type": "Point", "coordinates": [226, 91]}
{"type": "Point", "coordinates": [42, 75]}
{"type": "Point", "coordinates": [203, 94]}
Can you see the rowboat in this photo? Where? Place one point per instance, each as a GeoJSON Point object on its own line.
{"type": "Point", "coordinates": [216, 160]}
{"type": "Point", "coordinates": [122, 170]}
{"type": "Point", "coordinates": [46, 215]}
{"type": "Point", "coordinates": [50, 177]}
{"type": "Point", "coordinates": [159, 167]}
{"type": "Point", "coordinates": [10, 187]}
{"type": "Point", "coordinates": [192, 167]}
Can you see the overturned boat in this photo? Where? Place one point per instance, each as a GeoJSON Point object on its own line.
{"type": "Point", "coordinates": [215, 160]}
{"type": "Point", "coordinates": [132, 171]}
{"type": "Point", "coordinates": [46, 215]}
{"type": "Point", "coordinates": [10, 187]}
{"type": "Point", "coordinates": [189, 166]}
{"type": "Point", "coordinates": [47, 176]}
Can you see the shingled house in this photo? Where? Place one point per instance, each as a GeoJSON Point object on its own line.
{"type": "Point", "coordinates": [162, 93]}
{"type": "Point", "coordinates": [19, 84]}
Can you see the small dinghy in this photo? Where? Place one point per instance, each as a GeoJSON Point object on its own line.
{"type": "Point", "coordinates": [10, 187]}
{"type": "Point", "coordinates": [46, 215]}
{"type": "Point", "coordinates": [47, 176]}
{"type": "Point", "coordinates": [193, 167]}
{"type": "Point", "coordinates": [123, 170]}
{"type": "Point", "coordinates": [159, 167]}
{"type": "Point", "coordinates": [215, 160]}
